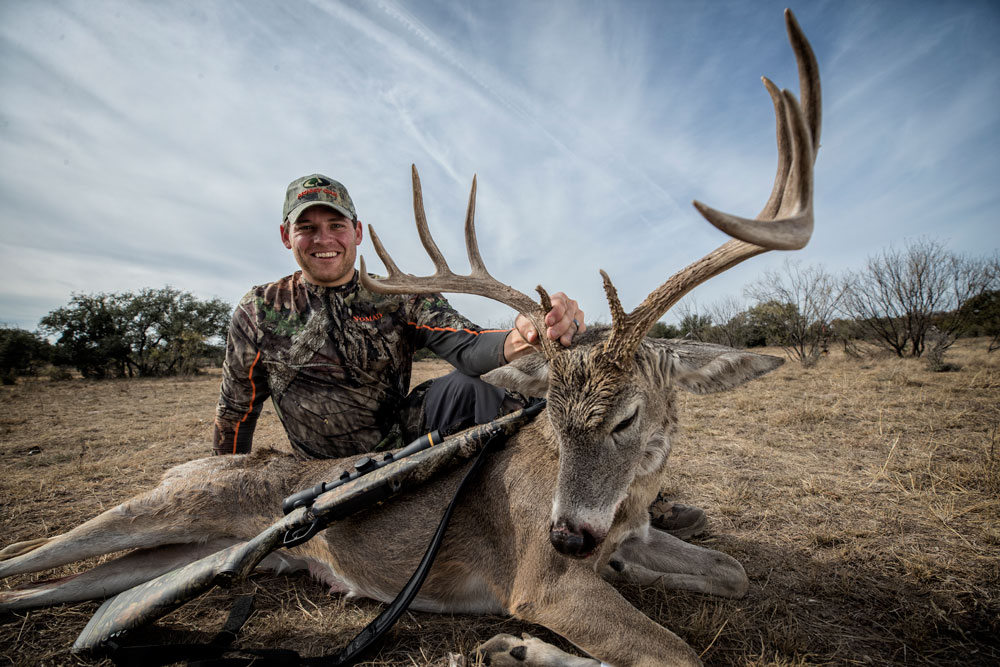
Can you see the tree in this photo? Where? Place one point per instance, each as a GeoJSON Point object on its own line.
{"type": "Point", "coordinates": [982, 312]}
{"type": "Point", "coordinates": [21, 352]}
{"type": "Point", "coordinates": [91, 331]}
{"type": "Point", "coordinates": [155, 332]}
{"type": "Point", "coordinates": [169, 330]}
{"type": "Point", "coordinates": [664, 330]}
{"type": "Point", "coordinates": [900, 294]}
{"type": "Point", "coordinates": [730, 322]}
{"type": "Point", "coordinates": [694, 324]}
{"type": "Point", "coordinates": [769, 321]}
{"type": "Point", "coordinates": [795, 307]}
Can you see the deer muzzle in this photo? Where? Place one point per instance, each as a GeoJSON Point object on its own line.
{"type": "Point", "coordinates": [575, 541]}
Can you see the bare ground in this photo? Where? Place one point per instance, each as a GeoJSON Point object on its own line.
{"type": "Point", "coordinates": [862, 497]}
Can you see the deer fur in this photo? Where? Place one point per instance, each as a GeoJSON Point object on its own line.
{"type": "Point", "coordinates": [497, 557]}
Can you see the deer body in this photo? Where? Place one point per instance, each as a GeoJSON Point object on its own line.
{"type": "Point", "coordinates": [555, 515]}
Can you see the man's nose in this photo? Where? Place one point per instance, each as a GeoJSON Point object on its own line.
{"type": "Point", "coordinates": [326, 234]}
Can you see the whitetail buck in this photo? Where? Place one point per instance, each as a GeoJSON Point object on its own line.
{"type": "Point", "coordinates": [579, 478]}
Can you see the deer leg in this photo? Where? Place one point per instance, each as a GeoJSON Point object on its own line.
{"type": "Point", "coordinates": [135, 524]}
{"type": "Point", "coordinates": [142, 565]}
{"type": "Point", "coordinates": [108, 578]}
{"type": "Point", "coordinates": [664, 561]}
{"type": "Point", "coordinates": [591, 614]}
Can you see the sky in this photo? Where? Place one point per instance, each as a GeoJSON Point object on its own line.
{"type": "Point", "coordinates": [145, 144]}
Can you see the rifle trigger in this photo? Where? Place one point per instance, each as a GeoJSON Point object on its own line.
{"type": "Point", "coordinates": [301, 534]}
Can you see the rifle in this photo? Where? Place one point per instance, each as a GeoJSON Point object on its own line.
{"type": "Point", "coordinates": [336, 500]}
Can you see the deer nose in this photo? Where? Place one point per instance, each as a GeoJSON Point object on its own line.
{"type": "Point", "coordinates": [572, 540]}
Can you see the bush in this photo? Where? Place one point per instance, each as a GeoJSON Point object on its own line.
{"type": "Point", "coordinates": [21, 353]}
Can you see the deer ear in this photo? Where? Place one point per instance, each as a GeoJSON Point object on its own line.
{"type": "Point", "coordinates": [704, 368]}
{"type": "Point", "coordinates": [528, 375]}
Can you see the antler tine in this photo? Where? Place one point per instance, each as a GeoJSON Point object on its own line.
{"type": "Point", "coordinates": [785, 222]}
{"type": "Point", "coordinates": [426, 239]}
{"type": "Point", "coordinates": [809, 88]}
{"type": "Point", "coordinates": [471, 243]}
{"type": "Point", "coordinates": [383, 254]}
{"type": "Point", "coordinates": [479, 281]}
{"type": "Point", "coordinates": [783, 138]}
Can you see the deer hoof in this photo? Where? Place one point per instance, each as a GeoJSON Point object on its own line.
{"type": "Point", "coordinates": [527, 651]}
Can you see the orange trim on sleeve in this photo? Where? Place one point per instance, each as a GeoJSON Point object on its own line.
{"type": "Point", "coordinates": [253, 396]}
{"type": "Point", "coordinates": [468, 331]}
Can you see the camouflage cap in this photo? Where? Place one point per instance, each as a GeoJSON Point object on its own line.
{"type": "Point", "coordinates": [316, 189]}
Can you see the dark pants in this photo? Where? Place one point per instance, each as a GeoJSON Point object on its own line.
{"type": "Point", "coordinates": [457, 398]}
{"type": "Point", "coordinates": [453, 402]}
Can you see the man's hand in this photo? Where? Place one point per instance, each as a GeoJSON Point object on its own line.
{"type": "Point", "coordinates": [564, 321]}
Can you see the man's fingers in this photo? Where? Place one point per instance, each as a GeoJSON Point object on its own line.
{"type": "Point", "coordinates": [561, 306]}
{"type": "Point", "coordinates": [564, 320]}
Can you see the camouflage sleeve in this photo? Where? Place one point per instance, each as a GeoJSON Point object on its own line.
{"type": "Point", "coordinates": [244, 384]}
{"type": "Point", "coordinates": [441, 329]}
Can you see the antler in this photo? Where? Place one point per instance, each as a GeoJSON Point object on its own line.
{"type": "Point", "coordinates": [479, 281]}
{"type": "Point", "coordinates": [785, 223]}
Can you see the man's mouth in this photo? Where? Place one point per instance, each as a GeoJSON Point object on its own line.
{"type": "Point", "coordinates": [325, 255]}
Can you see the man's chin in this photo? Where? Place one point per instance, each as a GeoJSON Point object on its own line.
{"type": "Point", "coordinates": [328, 277]}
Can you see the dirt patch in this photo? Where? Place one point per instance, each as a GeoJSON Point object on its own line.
{"type": "Point", "coordinates": [862, 498]}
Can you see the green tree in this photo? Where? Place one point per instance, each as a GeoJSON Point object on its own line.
{"type": "Point", "coordinates": [696, 326]}
{"type": "Point", "coordinates": [153, 332]}
{"type": "Point", "coordinates": [91, 332]}
{"type": "Point", "coordinates": [21, 353]}
{"type": "Point", "coordinates": [770, 321]}
{"type": "Point", "coordinates": [982, 315]}
{"type": "Point", "coordinates": [170, 330]}
{"type": "Point", "coordinates": [664, 330]}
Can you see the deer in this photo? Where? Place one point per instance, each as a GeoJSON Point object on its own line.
{"type": "Point", "coordinates": [559, 514]}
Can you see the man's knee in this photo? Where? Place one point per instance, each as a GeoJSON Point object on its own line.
{"type": "Point", "coordinates": [458, 399]}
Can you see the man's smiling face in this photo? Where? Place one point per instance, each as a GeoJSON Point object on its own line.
{"type": "Point", "coordinates": [324, 243]}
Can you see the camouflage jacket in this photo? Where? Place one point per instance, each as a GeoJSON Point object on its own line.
{"type": "Point", "coordinates": [335, 362]}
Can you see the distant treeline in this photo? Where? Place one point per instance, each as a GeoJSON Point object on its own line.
{"type": "Point", "coordinates": [913, 302]}
{"type": "Point", "coordinates": [153, 332]}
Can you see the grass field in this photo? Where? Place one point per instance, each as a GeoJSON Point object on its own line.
{"type": "Point", "coordinates": [862, 497]}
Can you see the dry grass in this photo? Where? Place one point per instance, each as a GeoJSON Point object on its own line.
{"type": "Point", "coordinates": [862, 497]}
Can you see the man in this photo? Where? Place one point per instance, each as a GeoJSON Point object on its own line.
{"type": "Point", "coordinates": [335, 359]}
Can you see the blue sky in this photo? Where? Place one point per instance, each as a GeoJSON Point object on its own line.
{"type": "Point", "coordinates": [149, 143]}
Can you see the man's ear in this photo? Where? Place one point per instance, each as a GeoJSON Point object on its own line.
{"type": "Point", "coordinates": [284, 236]}
{"type": "Point", "coordinates": [528, 375]}
{"type": "Point", "coordinates": [359, 233]}
{"type": "Point", "coordinates": [705, 368]}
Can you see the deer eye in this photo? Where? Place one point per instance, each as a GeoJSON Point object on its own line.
{"type": "Point", "coordinates": [625, 423]}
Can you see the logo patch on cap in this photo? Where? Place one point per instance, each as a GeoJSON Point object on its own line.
{"type": "Point", "coordinates": [316, 182]}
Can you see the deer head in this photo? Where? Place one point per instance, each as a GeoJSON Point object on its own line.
{"type": "Point", "coordinates": [611, 404]}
